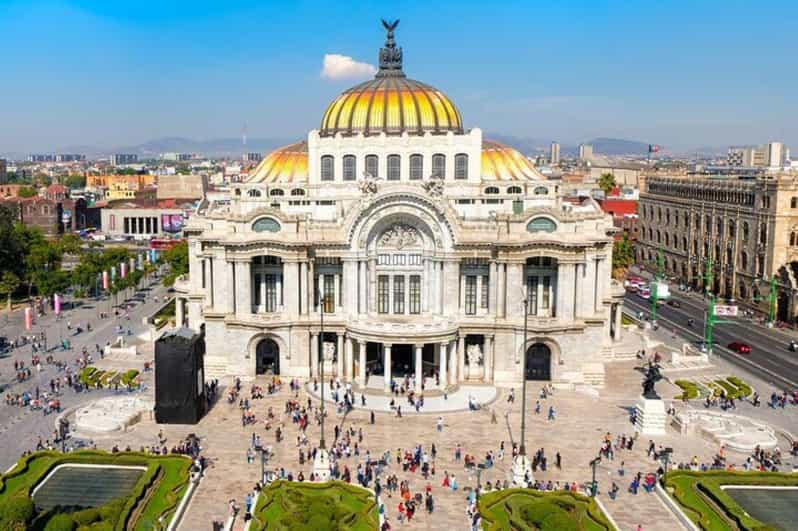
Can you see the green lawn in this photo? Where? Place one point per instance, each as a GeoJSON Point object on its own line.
{"type": "Point", "coordinates": [706, 504]}
{"type": "Point", "coordinates": [330, 506]}
{"type": "Point", "coordinates": [525, 509]}
{"type": "Point", "coordinates": [156, 494]}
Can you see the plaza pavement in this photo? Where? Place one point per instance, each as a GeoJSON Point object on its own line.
{"type": "Point", "coordinates": [582, 420]}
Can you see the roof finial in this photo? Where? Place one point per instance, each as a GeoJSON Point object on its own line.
{"type": "Point", "coordinates": [390, 55]}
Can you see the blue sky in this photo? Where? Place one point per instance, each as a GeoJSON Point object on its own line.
{"type": "Point", "coordinates": [681, 74]}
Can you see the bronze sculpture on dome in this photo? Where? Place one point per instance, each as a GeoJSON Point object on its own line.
{"type": "Point", "coordinates": [390, 55]}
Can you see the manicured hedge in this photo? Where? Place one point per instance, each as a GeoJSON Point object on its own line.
{"type": "Point", "coordinates": [165, 480]}
{"type": "Point", "coordinates": [526, 509]}
{"type": "Point", "coordinates": [743, 388]}
{"type": "Point", "coordinates": [695, 490]}
{"type": "Point", "coordinates": [688, 388]}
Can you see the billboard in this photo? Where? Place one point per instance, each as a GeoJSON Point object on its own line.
{"type": "Point", "coordinates": [172, 223]}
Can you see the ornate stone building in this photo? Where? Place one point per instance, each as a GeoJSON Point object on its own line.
{"type": "Point", "coordinates": [747, 227]}
{"type": "Point", "coordinates": [397, 242]}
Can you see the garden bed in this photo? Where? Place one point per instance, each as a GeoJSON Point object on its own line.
{"type": "Point", "coordinates": [525, 509]}
{"type": "Point", "coordinates": [153, 496]}
{"type": "Point", "coordinates": [330, 505]}
{"type": "Point", "coordinates": [90, 376]}
{"type": "Point", "coordinates": [710, 507]}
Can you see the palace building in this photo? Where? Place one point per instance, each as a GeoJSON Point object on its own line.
{"type": "Point", "coordinates": [393, 241]}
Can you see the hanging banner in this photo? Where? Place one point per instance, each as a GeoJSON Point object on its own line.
{"type": "Point", "coordinates": [57, 303]}
{"type": "Point", "coordinates": [105, 280]}
{"type": "Point", "coordinates": [132, 264]}
{"type": "Point", "coordinates": [141, 261]}
{"type": "Point", "coordinates": [113, 273]}
{"type": "Point", "coordinates": [28, 318]}
{"type": "Point", "coordinates": [123, 270]}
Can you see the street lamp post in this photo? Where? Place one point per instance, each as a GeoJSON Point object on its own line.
{"type": "Point", "coordinates": [321, 463]}
{"type": "Point", "coordinates": [594, 485]}
{"type": "Point", "coordinates": [521, 468]}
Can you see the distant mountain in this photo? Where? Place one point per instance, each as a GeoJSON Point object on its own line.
{"type": "Point", "coordinates": [601, 146]}
{"type": "Point", "coordinates": [618, 146]}
{"type": "Point", "coordinates": [217, 147]}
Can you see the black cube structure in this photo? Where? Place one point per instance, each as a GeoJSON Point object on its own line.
{"type": "Point", "coordinates": [180, 377]}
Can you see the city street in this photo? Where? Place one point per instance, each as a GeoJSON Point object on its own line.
{"type": "Point", "coordinates": [770, 357]}
{"type": "Point", "coordinates": [20, 427]}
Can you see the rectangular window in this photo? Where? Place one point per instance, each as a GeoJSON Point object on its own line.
{"type": "Point", "coordinates": [439, 166]}
{"type": "Point", "coordinates": [532, 294]}
{"type": "Point", "coordinates": [416, 167]}
{"type": "Point", "coordinates": [329, 294]}
{"type": "Point", "coordinates": [415, 294]}
{"type": "Point", "coordinates": [394, 166]}
{"type": "Point", "coordinates": [546, 292]}
{"type": "Point", "coordinates": [327, 168]}
{"type": "Point", "coordinates": [461, 166]}
{"type": "Point", "coordinates": [256, 288]}
{"type": "Point", "coordinates": [384, 259]}
{"type": "Point", "coordinates": [371, 165]}
{"type": "Point", "coordinates": [350, 168]}
{"type": "Point", "coordinates": [271, 293]}
{"type": "Point", "coordinates": [382, 294]}
{"type": "Point", "coordinates": [398, 294]}
{"type": "Point", "coordinates": [203, 274]}
{"type": "Point", "coordinates": [470, 295]}
{"type": "Point", "coordinates": [483, 299]}
{"type": "Point", "coordinates": [414, 259]}
{"type": "Point", "coordinates": [399, 259]}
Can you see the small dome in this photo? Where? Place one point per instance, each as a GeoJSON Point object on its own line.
{"type": "Point", "coordinates": [503, 163]}
{"type": "Point", "coordinates": [391, 105]}
{"type": "Point", "coordinates": [285, 165]}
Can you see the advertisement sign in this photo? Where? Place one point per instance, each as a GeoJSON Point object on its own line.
{"type": "Point", "coordinates": [57, 303]}
{"type": "Point", "coordinates": [28, 318]}
{"type": "Point", "coordinates": [722, 310]}
{"type": "Point", "coordinates": [105, 280]}
{"type": "Point", "coordinates": [172, 223]}
{"type": "Point", "coordinates": [113, 273]}
{"type": "Point", "coordinates": [123, 270]}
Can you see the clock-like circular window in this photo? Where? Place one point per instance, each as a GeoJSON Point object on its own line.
{"type": "Point", "coordinates": [266, 225]}
{"type": "Point", "coordinates": [541, 224]}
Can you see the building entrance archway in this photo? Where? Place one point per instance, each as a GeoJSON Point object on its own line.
{"type": "Point", "coordinates": [538, 362]}
{"type": "Point", "coordinates": [267, 357]}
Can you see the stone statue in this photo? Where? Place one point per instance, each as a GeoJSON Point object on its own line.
{"type": "Point", "coordinates": [328, 350]}
{"type": "Point", "coordinates": [399, 236]}
{"type": "Point", "coordinates": [433, 187]}
{"type": "Point", "coordinates": [474, 354]}
{"type": "Point", "coordinates": [368, 185]}
{"type": "Point", "coordinates": [652, 377]}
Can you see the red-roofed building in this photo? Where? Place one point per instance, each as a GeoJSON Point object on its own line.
{"type": "Point", "coordinates": [624, 214]}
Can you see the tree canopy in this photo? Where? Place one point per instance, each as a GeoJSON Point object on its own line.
{"type": "Point", "coordinates": [623, 256]}
{"type": "Point", "coordinates": [75, 181]}
{"type": "Point", "coordinates": [607, 182]}
{"type": "Point", "coordinates": [177, 259]}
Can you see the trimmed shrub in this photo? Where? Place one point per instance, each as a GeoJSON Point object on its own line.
{"type": "Point", "coordinates": [60, 522]}
{"type": "Point", "coordinates": [16, 512]}
{"type": "Point", "coordinates": [688, 388]}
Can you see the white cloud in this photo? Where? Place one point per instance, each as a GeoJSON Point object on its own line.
{"type": "Point", "coordinates": [338, 66]}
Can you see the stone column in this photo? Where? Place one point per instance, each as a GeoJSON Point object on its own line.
{"type": "Point", "coordinates": [618, 321]}
{"type": "Point", "coordinates": [243, 288]}
{"type": "Point", "coordinates": [461, 359]}
{"type": "Point", "coordinates": [179, 312]}
{"type": "Point", "coordinates": [501, 290]}
{"type": "Point", "coordinates": [565, 289]}
{"type": "Point", "coordinates": [585, 288]}
{"type": "Point", "coordinates": [348, 360]}
{"type": "Point", "coordinates": [372, 285]}
{"type": "Point", "coordinates": [314, 354]}
{"type": "Point", "coordinates": [425, 281]}
{"type": "Point", "coordinates": [451, 281]}
{"type": "Point", "coordinates": [452, 362]}
{"type": "Point", "coordinates": [361, 369]}
{"type": "Point", "coordinates": [487, 359]}
{"type": "Point", "coordinates": [387, 359]}
{"type": "Point", "coordinates": [442, 360]}
{"type": "Point", "coordinates": [303, 292]}
{"type": "Point", "coordinates": [492, 299]}
{"type": "Point", "coordinates": [291, 288]}
{"type": "Point", "coordinates": [419, 368]}
{"type": "Point", "coordinates": [311, 287]}
{"type": "Point", "coordinates": [339, 352]}
{"type": "Point", "coordinates": [515, 289]}
{"type": "Point", "coordinates": [362, 300]}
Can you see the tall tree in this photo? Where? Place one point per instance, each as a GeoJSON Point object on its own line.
{"type": "Point", "coordinates": [9, 282]}
{"type": "Point", "coordinates": [607, 182]}
{"type": "Point", "coordinates": [177, 259]}
{"type": "Point", "coordinates": [623, 256]}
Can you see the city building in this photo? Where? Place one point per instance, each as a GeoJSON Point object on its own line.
{"type": "Point", "coordinates": [253, 157]}
{"type": "Point", "coordinates": [747, 227]}
{"type": "Point", "coordinates": [585, 152]}
{"type": "Point", "coordinates": [182, 186]}
{"type": "Point", "coordinates": [3, 171]}
{"type": "Point", "coordinates": [120, 159]}
{"type": "Point", "coordinates": [554, 153]}
{"type": "Point", "coordinates": [770, 155]}
{"type": "Point", "coordinates": [144, 219]}
{"type": "Point", "coordinates": [177, 157]}
{"type": "Point", "coordinates": [37, 157]}
{"type": "Point", "coordinates": [40, 212]}
{"type": "Point", "coordinates": [415, 240]}
{"type": "Point", "coordinates": [70, 157]}
{"type": "Point", "coordinates": [623, 212]}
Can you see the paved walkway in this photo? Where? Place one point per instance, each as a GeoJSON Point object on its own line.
{"type": "Point", "coordinates": [484, 395]}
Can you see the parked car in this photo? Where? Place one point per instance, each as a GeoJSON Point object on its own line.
{"type": "Point", "coordinates": [739, 347]}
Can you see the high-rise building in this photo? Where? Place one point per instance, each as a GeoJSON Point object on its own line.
{"type": "Point", "coordinates": [70, 157]}
{"type": "Point", "coordinates": [585, 152]}
{"type": "Point", "coordinates": [41, 157]}
{"type": "Point", "coordinates": [769, 155]}
{"type": "Point", "coordinates": [3, 169]}
{"type": "Point", "coordinates": [253, 157]}
{"type": "Point", "coordinates": [775, 155]}
{"type": "Point", "coordinates": [120, 159]}
{"type": "Point", "coordinates": [554, 155]}
{"type": "Point", "coordinates": [177, 157]}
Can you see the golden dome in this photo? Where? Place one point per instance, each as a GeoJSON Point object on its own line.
{"type": "Point", "coordinates": [503, 163]}
{"type": "Point", "coordinates": [287, 164]}
{"type": "Point", "coordinates": [390, 103]}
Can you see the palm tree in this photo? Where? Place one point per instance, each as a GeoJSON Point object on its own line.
{"type": "Point", "coordinates": [607, 182]}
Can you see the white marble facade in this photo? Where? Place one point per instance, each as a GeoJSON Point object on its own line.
{"type": "Point", "coordinates": [424, 276]}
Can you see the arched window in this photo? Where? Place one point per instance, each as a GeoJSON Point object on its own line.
{"type": "Point", "coordinates": [327, 171]}
{"type": "Point", "coordinates": [698, 221]}
{"type": "Point", "coordinates": [254, 193]}
{"type": "Point", "coordinates": [792, 239]}
{"type": "Point", "coordinates": [667, 240]}
{"type": "Point", "coordinates": [350, 167]}
{"type": "Point", "coordinates": [720, 227]}
{"type": "Point", "coordinates": [659, 237]}
{"type": "Point", "coordinates": [667, 215]}
{"type": "Point", "coordinates": [238, 191]}
{"type": "Point", "coordinates": [461, 166]}
{"type": "Point", "coordinates": [732, 229]}
{"type": "Point", "coordinates": [276, 192]}
{"type": "Point", "coordinates": [439, 165]}
{"type": "Point", "coordinates": [763, 234]}
{"type": "Point", "coordinates": [266, 225]}
{"type": "Point", "coordinates": [371, 165]}
{"type": "Point", "coordinates": [491, 190]}
{"type": "Point", "coordinates": [684, 244]}
{"type": "Point", "coordinates": [514, 190]}
{"type": "Point", "coordinates": [541, 224]}
{"type": "Point", "coordinates": [794, 202]}
{"type": "Point", "coordinates": [695, 246]}
{"type": "Point", "coordinates": [745, 231]}
{"type": "Point", "coordinates": [540, 190]}
{"type": "Point", "coordinates": [297, 191]}
{"type": "Point", "coordinates": [394, 167]}
{"type": "Point", "coordinates": [416, 167]}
